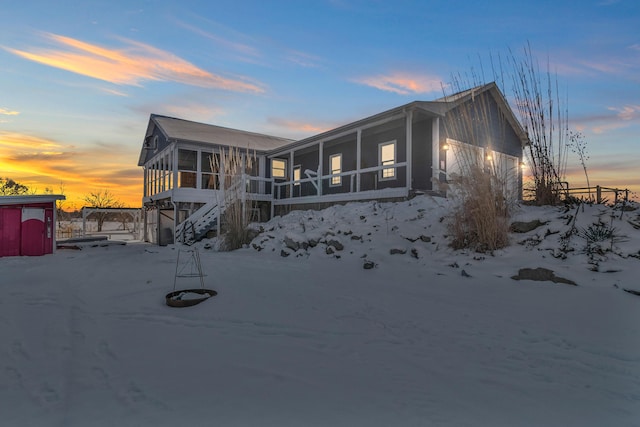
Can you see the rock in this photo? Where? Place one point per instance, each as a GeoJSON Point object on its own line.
{"type": "Point", "coordinates": [425, 239]}
{"type": "Point", "coordinates": [257, 247]}
{"type": "Point", "coordinates": [354, 237]}
{"type": "Point", "coordinates": [330, 250]}
{"type": "Point", "coordinates": [284, 253]}
{"type": "Point", "coordinates": [368, 265]}
{"type": "Point", "coordinates": [414, 253]}
{"type": "Point", "coordinates": [397, 251]}
{"type": "Point", "coordinates": [525, 227]}
{"type": "Point", "coordinates": [464, 274]}
{"type": "Point", "coordinates": [541, 275]}
{"type": "Point", "coordinates": [337, 244]}
{"type": "Point", "coordinates": [291, 242]}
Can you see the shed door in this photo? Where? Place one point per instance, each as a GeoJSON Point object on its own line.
{"type": "Point", "coordinates": [33, 231]}
{"type": "Point", "coordinates": [10, 231]}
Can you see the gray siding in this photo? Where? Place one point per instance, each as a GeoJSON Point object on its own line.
{"type": "Point", "coordinates": [422, 156]}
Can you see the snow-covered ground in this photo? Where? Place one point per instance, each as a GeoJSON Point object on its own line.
{"type": "Point", "coordinates": [427, 337]}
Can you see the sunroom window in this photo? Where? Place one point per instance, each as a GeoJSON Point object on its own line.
{"type": "Point", "coordinates": [187, 167]}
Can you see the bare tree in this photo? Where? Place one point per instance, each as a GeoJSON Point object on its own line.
{"type": "Point", "coordinates": [9, 187]}
{"type": "Point", "coordinates": [101, 199]}
{"type": "Point", "coordinates": [541, 112]}
{"type": "Point", "coordinates": [579, 146]}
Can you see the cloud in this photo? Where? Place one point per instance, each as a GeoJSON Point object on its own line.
{"type": "Point", "coordinates": [303, 59]}
{"type": "Point", "coordinates": [624, 116]}
{"type": "Point", "coordinates": [628, 112]}
{"type": "Point", "coordinates": [131, 65]}
{"type": "Point", "coordinates": [39, 163]}
{"type": "Point", "coordinates": [7, 112]}
{"type": "Point", "coordinates": [296, 126]}
{"type": "Point", "coordinates": [243, 49]}
{"type": "Point", "coordinates": [114, 92]}
{"type": "Point", "coordinates": [403, 83]}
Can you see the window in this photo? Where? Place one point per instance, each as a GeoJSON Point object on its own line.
{"type": "Point", "coordinates": [296, 175]}
{"type": "Point", "coordinates": [335, 164]}
{"type": "Point", "coordinates": [387, 156]}
{"type": "Point", "coordinates": [187, 167]}
{"type": "Point", "coordinates": [278, 168]}
{"type": "Point", "coordinates": [209, 165]}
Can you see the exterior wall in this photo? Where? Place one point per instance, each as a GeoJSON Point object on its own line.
{"type": "Point", "coordinates": [307, 160]}
{"type": "Point", "coordinates": [481, 123]}
{"type": "Point", "coordinates": [371, 138]}
{"type": "Point", "coordinates": [422, 155]}
{"type": "Point", "coordinates": [27, 229]}
{"type": "Point", "coordinates": [346, 146]}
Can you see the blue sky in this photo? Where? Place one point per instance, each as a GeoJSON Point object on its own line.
{"type": "Point", "coordinates": [79, 79]}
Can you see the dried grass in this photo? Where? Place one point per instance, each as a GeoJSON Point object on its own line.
{"type": "Point", "coordinates": [234, 166]}
{"type": "Point", "coordinates": [480, 218]}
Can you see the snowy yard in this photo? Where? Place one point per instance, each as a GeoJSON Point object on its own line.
{"type": "Point", "coordinates": [429, 337]}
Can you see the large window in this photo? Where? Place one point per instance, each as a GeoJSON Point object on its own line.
{"type": "Point", "coordinates": [335, 164]}
{"type": "Point", "coordinates": [209, 165]}
{"type": "Point", "coordinates": [187, 168]}
{"type": "Point", "coordinates": [387, 156]}
{"type": "Point", "coordinates": [278, 168]}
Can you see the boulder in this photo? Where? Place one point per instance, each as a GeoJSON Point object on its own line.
{"type": "Point", "coordinates": [337, 244]}
{"type": "Point", "coordinates": [541, 275]}
{"type": "Point", "coordinates": [368, 265]}
{"type": "Point", "coordinates": [525, 226]}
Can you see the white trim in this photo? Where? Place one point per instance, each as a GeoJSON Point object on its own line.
{"type": "Point", "coordinates": [435, 150]}
{"type": "Point", "coordinates": [35, 198]}
{"type": "Point", "coordinates": [381, 176]}
{"type": "Point", "coordinates": [340, 197]}
{"type": "Point", "coordinates": [358, 158]}
{"type": "Point", "coordinates": [409, 146]}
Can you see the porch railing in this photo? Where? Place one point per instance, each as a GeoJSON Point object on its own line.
{"type": "Point", "coordinates": [286, 189]}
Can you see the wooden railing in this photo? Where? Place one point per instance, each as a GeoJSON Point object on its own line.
{"type": "Point", "coordinates": [596, 194]}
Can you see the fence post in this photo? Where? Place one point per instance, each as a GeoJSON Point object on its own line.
{"type": "Point", "coordinates": [598, 194]}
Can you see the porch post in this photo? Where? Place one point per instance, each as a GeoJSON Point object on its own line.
{"type": "Point", "coordinates": [435, 150]}
{"type": "Point", "coordinates": [409, 137]}
{"type": "Point", "coordinates": [358, 158]}
{"type": "Point", "coordinates": [291, 174]}
{"type": "Point", "coordinates": [320, 172]}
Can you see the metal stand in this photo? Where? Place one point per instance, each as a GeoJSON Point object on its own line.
{"type": "Point", "coordinates": [190, 266]}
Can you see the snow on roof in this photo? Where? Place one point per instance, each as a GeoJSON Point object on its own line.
{"type": "Point", "coordinates": [186, 130]}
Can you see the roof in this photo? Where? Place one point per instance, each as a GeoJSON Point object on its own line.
{"type": "Point", "coordinates": [185, 130]}
{"type": "Point", "coordinates": [188, 131]}
{"type": "Point", "coordinates": [31, 198]}
{"type": "Point", "coordinates": [438, 108]}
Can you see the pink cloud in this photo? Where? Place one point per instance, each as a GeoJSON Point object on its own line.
{"type": "Point", "coordinates": [403, 83]}
{"type": "Point", "coordinates": [130, 65]}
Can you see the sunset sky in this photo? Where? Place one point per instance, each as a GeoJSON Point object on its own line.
{"type": "Point", "coordinates": [78, 80]}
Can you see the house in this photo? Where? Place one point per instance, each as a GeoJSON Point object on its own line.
{"type": "Point", "coordinates": [28, 224]}
{"type": "Point", "coordinates": [413, 148]}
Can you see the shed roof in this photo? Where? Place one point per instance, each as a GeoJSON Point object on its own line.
{"type": "Point", "coordinates": [31, 198]}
